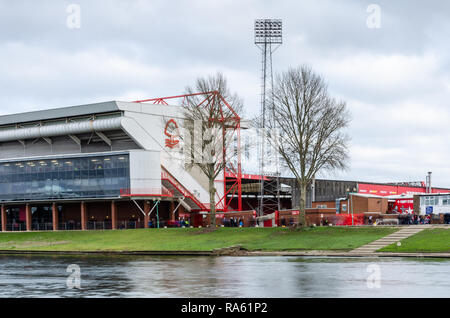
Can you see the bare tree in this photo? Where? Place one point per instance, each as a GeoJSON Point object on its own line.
{"type": "Point", "coordinates": [211, 114]}
{"type": "Point", "coordinates": [310, 127]}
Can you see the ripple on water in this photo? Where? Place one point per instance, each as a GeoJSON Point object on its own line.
{"type": "Point", "coordinates": [181, 276]}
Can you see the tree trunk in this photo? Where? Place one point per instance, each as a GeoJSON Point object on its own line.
{"type": "Point", "coordinates": [212, 203]}
{"type": "Point", "coordinates": [302, 212]}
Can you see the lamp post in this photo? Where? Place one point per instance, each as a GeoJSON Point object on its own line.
{"type": "Point", "coordinates": [157, 212]}
{"type": "Point", "coordinates": [348, 199]}
{"type": "Point", "coordinates": [350, 196]}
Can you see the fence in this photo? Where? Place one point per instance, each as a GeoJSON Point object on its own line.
{"type": "Point", "coordinates": [94, 225]}
{"type": "Point", "coordinates": [69, 226]}
{"type": "Point", "coordinates": [125, 225]}
{"type": "Point", "coordinates": [16, 226]}
{"type": "Point", "coordinates": [231, 219]}
{"type": "Point", "coordinates": [344, 219]}
{"type": "Point", "coordinates": [291, 218]}
{"type": "Point", "coordinates": [48, 226]}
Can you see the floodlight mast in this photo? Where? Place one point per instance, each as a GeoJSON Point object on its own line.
{"type": "Point", "coordinates": [268, 38]}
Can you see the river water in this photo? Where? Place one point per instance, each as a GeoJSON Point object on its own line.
{"type": "Point", "coordinates": [181, 276]}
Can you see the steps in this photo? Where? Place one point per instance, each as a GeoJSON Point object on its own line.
{"type": "Point", "coordinates": [389, 239]}
{"type": "Point", "coordinates": [179, 191]}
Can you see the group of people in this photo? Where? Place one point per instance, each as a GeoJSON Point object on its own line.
{"type": "Point", "coordinates": [233, 222]}
{"type": "Point", "coordinates": [422, 219]}
{"type": "Point", "coordinates": [409, 219]}
{"type": "Point", "coordinates": [181, 222]}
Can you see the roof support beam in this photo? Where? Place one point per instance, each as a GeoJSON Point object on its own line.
{"type": "Point", "coordinates": [104, 138]}
{"type": "Point", "coordinates": [184, 204]}
{"type": "Point", "coordinates": [48, 140]}
{"type": "Point", "coordinates": [175, 210]}
{"type": "Point", "coordinates": [75, 139]}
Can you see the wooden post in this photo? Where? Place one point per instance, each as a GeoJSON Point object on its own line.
{"type": "Point", "coordinates": [3, 218]}
{"type": "Point", "coordinates": [113, 215]}
{"type": "Point", "coordinates": [28, 216]}
{"type": "Point", "coordinates": [172, 208]}
{"type": "Point", "coordinates": [55, 219]}
{"type": "Point", "coordinates": [146, 212]}
{"type": "Point", "coordinates": [83, 216]}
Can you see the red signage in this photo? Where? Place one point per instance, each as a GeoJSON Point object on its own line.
{"type": "Point", "coordinates": [403, 206]}
{"type": "Point", "coordinates": [385, 190]}
{"type": "Point", "coordinates": [171, 131]}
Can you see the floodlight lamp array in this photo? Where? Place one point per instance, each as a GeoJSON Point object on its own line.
{"type": "Point", "coordinates": [268, 31]}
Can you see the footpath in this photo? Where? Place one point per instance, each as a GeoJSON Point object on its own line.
{"type": "Point", "coordinates": [402, 234]}
{"type": "Point", "coordinates": [370, 249]}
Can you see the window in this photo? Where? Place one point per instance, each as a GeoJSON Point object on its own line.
{"type": "Point", "coordinates": [429, 200]}
{"type": "Point", "coordinates": [446, 200]}
{"type": "Point", "coordinates": [87, 177]}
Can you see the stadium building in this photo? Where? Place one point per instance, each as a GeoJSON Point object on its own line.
{"type": "Point", "coordinates": [101, 166]}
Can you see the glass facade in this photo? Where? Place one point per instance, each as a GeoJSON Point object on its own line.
{"type": "Point", "coordinates": [64, 178]}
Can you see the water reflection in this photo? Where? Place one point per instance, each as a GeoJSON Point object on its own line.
{"type": "Point", "coordinates": [173, 276]}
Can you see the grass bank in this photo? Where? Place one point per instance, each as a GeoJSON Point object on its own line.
{"type": "Point", "coordinates": [265, 239]}
{"type": "Point", "coordinates": [426, 241]}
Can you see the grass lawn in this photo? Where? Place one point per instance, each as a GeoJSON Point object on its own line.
{"type": "Point", "coordinates": [269, 239]}
{"type": "Point", "coordinates": [430, 240]}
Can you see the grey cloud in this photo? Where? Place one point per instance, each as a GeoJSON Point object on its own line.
{"type": "Point", "coordinates": [139, 49]}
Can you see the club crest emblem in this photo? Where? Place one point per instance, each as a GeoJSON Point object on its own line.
{"type": "Point", "coordinates": [172, 132]}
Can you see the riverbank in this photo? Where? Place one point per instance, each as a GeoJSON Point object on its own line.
{"type": "Point", "coordinates": [194, 240]}
{"type": "Point", "coordinates": [434, 240]}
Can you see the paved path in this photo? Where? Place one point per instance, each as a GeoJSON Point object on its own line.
{"type": "Point", "coordinates": [405, 232]}
{"type": "Point", "coordinates": [349, 254]}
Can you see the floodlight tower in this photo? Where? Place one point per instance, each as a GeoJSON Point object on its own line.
{"type": "Point", "coordinates": [268, 37]}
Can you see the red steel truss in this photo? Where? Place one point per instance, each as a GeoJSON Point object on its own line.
{"type": "Point", "coordinates": [233, 172]}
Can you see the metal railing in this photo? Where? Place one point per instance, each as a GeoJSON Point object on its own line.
{"type": "Point", "coordinates": [156, 192]}
{"type": "Point", "coordinates": [124, 225]}
{"type": "Point", "coordinates": [67, 226]}
{"type": "Point", "coordinates": [165, 175]}
{"type": "Point", "coordinates": [47, 226]}
{"type": "Point", "coordinates": [96, 225]}
{"type": "Point", "coordinates": [16, 226]}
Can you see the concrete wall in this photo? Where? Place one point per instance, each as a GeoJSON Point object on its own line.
{"type": "Point", "coordinates": [145, 171]}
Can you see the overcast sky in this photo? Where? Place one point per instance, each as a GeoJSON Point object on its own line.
{"type": "Point", "coordinates": [395, 79]}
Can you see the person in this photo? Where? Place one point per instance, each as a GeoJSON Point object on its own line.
{"type": "Point", "coordinates": [370, 220]}
{"type": "Point", "coordinates": [241, 224]}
